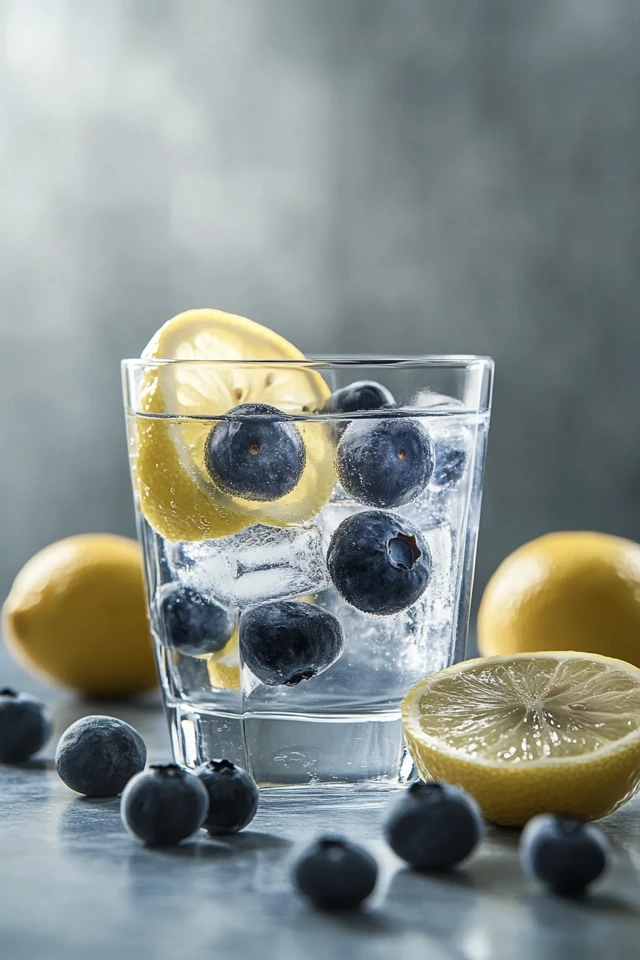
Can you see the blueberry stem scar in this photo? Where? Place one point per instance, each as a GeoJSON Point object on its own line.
{"type": "Point", "coordinates": [299, 677]}
{"type": "Point", "coordinates": [403, 551]}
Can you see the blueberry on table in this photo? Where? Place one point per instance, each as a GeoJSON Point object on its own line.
{"type": "Point", "coordinates": [97, 756]}
{"type": "Point", "coordinates": [434, 826]}
{"type": "Point", "coordinates": [379, 562]}
{"type": "Point", "coordinates": [233, 796]}
{"type": "Point", "coordinates": [164, 805]}
{"type": "Point", "coordinates": [286, 641]}
{"type": "Point", "coordinates": [563, 852]}
{"type": "Point", "coordinates": [384, 463]}
{"type": "Point", "coordinates": [358, 397]}
{"type": "Point", "coordinates": [194, 624]}
{"type": "Point", "coordinates": [257, 453]}
{"type": "Point", "coordinates": [335, 874]}
{"type": "Point", "coordinates": [25, 726]}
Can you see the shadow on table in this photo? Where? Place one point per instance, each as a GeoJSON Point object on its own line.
{"type": "Point", "coordinates": [237, 845]}
{"type": "Point", "coordinates": [33, 765]}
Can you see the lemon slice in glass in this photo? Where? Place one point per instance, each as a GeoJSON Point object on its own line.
{"type": "Point", "coordinates": [224, 666]}
{"type": "Point", "coordinates": [179, 404]}
{"type": "Point", "coordinates": [531, 733]}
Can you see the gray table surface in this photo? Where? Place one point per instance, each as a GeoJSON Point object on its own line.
{"type": "Point", "coordinates": [74, 885]}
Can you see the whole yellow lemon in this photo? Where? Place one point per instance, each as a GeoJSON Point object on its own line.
{"type": "Point", "coordinates": [565, 591]}
{"type": "Point", "coordinates": [76, 616]}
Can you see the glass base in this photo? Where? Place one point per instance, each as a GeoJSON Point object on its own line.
{"type": "Point", "coordinates": [296, 751]}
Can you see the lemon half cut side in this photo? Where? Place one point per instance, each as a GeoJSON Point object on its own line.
{"type": "Point", "coordinates": [530, 733]}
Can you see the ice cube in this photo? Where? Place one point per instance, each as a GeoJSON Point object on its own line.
{"type": "Point", "coordinates": [438, 598]}
{"type": "Point", "coordinates": [433, 401]}
{"type": "Point", "coordinates": [260, 563]}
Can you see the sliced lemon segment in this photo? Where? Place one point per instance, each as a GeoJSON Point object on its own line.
{"type": "Point", "coordinates": [224, 666]}
{"type": "Point", "coordinates": [531, 733]}
{"type": "Point", "coordinates": [176, 494]}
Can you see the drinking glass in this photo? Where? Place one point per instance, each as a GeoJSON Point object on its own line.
{"type": "Point", "coordinates": [220, 566]}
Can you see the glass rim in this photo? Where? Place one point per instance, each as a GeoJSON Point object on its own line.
{"type": "Point", "coordinates": [417, 361]}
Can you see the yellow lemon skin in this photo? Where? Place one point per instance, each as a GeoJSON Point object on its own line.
{"type": "Point", "coordinates": [588, 785]}
{"type": "Point", "coordinates": [565, 591]}
{"type": "Point", "coordinates": [174, 490]}
{"type": "Point", "coordinates": [76, 616]}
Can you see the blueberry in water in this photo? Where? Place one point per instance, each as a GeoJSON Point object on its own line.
{"type": "Point", "coordinates": [233, 796]}
{"type": "Point", "coordinates": [434, 826]}
{"type": "Point", "coordinates": [257, 453]}
{"type": "Point", "coordinates": [360, 396]}
{"type": "Point", "coordinates": [450, 462]}
{"type": "Point", "coordinates": [286, 641]}
{"type": "Point", "coordinates": [379, 562]}
{"type": "Point", "coordinates": [97, 756]}
{"type": "Point", "coordinates": [335, 874]}
{"type": "Point", "coordinates": [194, 624]}
{"type": "Point", "coordinates": [164, 805]}
{"type": "Point", "coordinates": [25, 726]}
{"type": "Point", "coordinates": [563, 852]}
{"type": "Point", "coordinates": [384, 463]}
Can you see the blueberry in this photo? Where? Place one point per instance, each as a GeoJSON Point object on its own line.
{"type": "Point", "coordinates": [384, 463]}
{"type": "Point", "coordinates": [379, 562]}
{"type": "Point", "coordinates": [97, 756]}
{"type": "Point", "coordinates": [25, 726]}
{"type": "Point", "coordinates": [194, 624]}
{"type": "Point", "coordinates": [286, 641]}
{"type": "Point", "coordinates": [433, 826]}
{"type": "Point", "coordinates": [360, 396]}
{"type": "Point", "coordinates": [163, 805]}
{"type": "Point", "coordinates": [335, 874]}
{"type": "Point", "coordinates": [256, 453]}
{"type": "Point", "coordinates": [233, 796]}
{"type": "Point", "coordinates": [450, 463]}
{"type": "Point", "coordinates": [563, 852]}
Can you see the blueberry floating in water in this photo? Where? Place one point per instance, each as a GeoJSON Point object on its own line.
{"type": "Point", "coordinates": [194, 624]}
{"type": "Point", "coordinates": [564, 853]}
{"type": "Point", "coordinates": [434, 826]}
{"type": "Point", "coordinates": [335, 874]}
{"type": "Point", "coordinates": [384, 463]}
{"type": "Point", "coordinates": [287, 641]}
{"type": "Point", "coordinates": [233, 796]}
{"type": "Point", "coordinates": [450, 462]}
{"type": "Point", "coordinates": [25, 726]}
{"type": "Point", "coordinates": [358, 397]}
{"type": "Point", "coordinates": [97, 756]}
{"type": "Point", "coordinates": [379, 562]}
{"type": "Point", "coordinates": [256, 454]}
{"type": "Point", "coordinates": [164, 805]}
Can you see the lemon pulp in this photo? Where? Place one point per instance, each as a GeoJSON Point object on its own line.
{"type": "Point", "coordinates": [224, 666]}
{"type": "Point", "coordinates": [176, 495]}
{"type": "Point", "coordinates": [531, 733]}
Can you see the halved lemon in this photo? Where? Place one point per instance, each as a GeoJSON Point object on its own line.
{"type": "Point", "coordinates": [175, 491]}
{"type": "Point", "coordinates": [531, 733]}
{"type": "Point", "coordinates": [224, 666]}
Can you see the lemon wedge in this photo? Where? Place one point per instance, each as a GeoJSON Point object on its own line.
{"type": "Point", "coordinates": [530, 733]}
{"type": "Point", "coordinates": [176, 494]}
{"type": "Point", "coordinates": [224, 666]}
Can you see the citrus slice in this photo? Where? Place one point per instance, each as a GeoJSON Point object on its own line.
{"type": "Point", "coordinates": [175, 491]}
{"type": "Point", "coordinates": [531, 733]}
{"type": "Point", "coordinates": [224, 666]}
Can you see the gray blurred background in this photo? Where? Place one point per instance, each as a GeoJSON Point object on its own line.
{"type": "Point", "coordinates": [379, 175]}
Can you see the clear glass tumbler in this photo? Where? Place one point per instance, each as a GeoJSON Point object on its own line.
{"type": "Point", "coordinates": [287, 627]}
